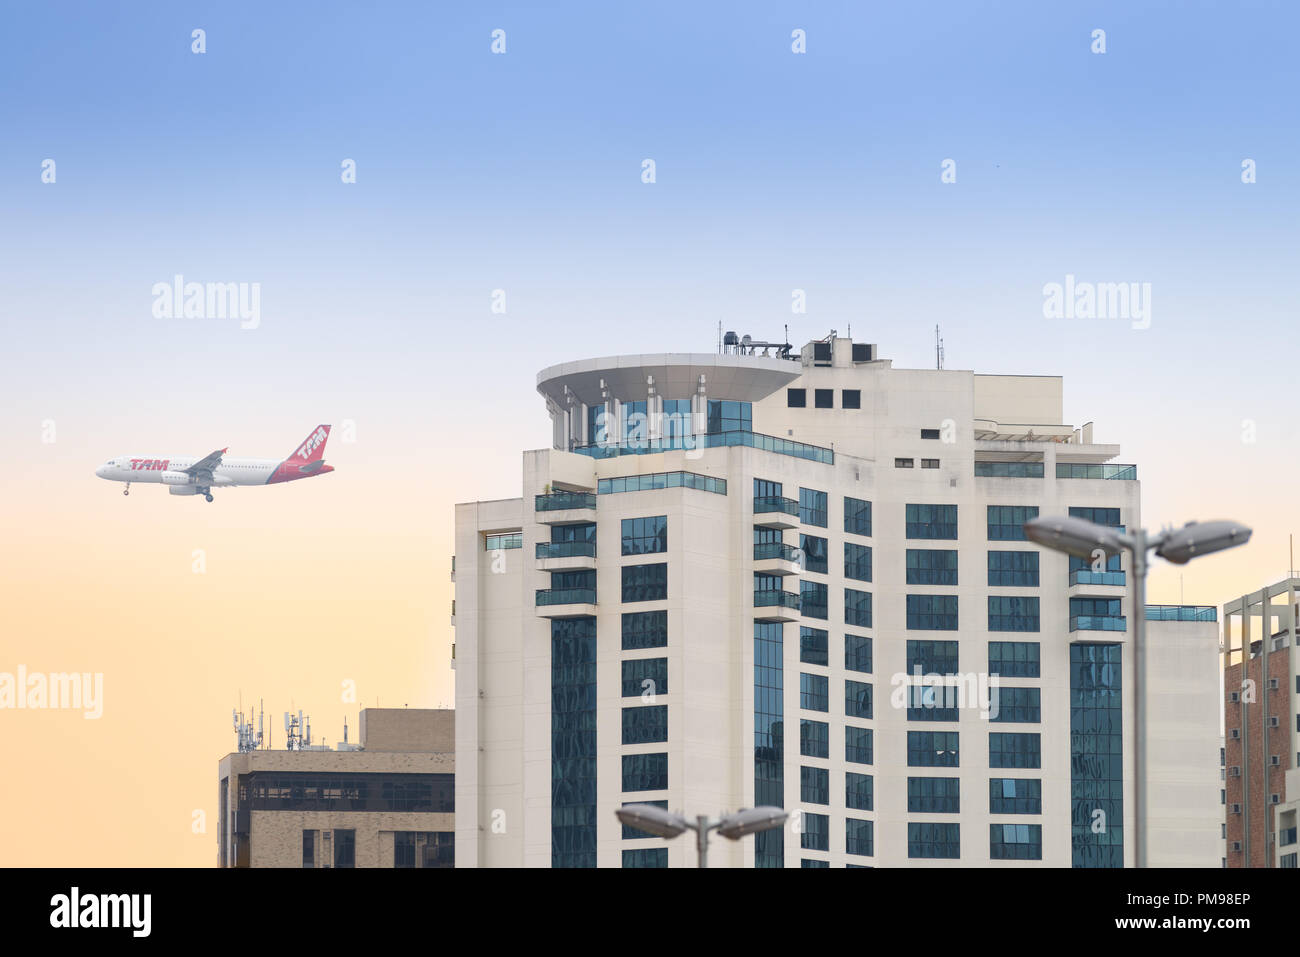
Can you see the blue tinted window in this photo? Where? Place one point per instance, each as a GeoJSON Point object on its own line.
{"type": "Point", "coordinates": [645, 725]}
{"type": "Point", "coordinates": [646, 857]}
{"type": "Point", "coordinates": [859, 791]}
{"type": "Point", "coordinates": [926, 840]}
{"type": "Point", "coordinates": [812, 507]}
{"type": "Point", "coordinates": [857, 699]}
{"type": "Point", "coordinates": [927, 566]}
{"type": "Point", "coordinates": [769, 746]}
{"type": "Point", "coordinates": [1013, 569]}
{"type": "Point", "coordinates": [1013, 613]}
{"type": "Point", "coordinates": [934, 795]}
{"type": "Point", "coordinates": [932, 749]}
{"type": "Point", "coordinates": [932, 702]}
{"type": "Point", "coordinates": [1014, 750]}
{"type": "Point", "coordinates": [932, 612]}
{"type": "Point", "coordinates": [857, 516]}
{"type": "Point", "coordinates": [636, 834]}
{"type": "Point", "coordinates": [813, 692]}
{"type": "Point", "coordinates": [814, 785]}
{"type": "Point", "coordinates": [645, 772]}
{"type": "Point", "coordinates": [931, 521]}
{"type": "Point", "coordinates": [931, 657]}
{"type": "Point", "coordinates": [816, 834]}
{"type": "Point", "coordinates": [1014, 659]}
{"type": "Point", "coordinates": [1015, 796]}
{"type": "Point", "coordinates": [573, 742]}
{"type": "Point", "coordinates": [857, 608]}
{"type": "Point", "coordinates": [858, 746]}
{"type": "Point", "coordinates": [1006, 522]}
{"type": "Point", "coordinates": [642, 676]}
{"type": "Point", "coordinates": [645, 582]}
{"type": "Point", "coordinates": [814, 738]}
{"type": "Point", "coordinates": [857, 561]}
{"type": "Point", "coordinates": [1016, 842]}
{"type": "Point", "coordinates": [814, 553]}
{"type": "Point", "coordinates": [858, 837]}
{"type": "Point", "coordinates": [645, 629]}
{"type": "Point", "coordinates": [813, 644]}
{"type": "Point", "coordinates": [857, 653]}
{"type": "Point", "coordinates": [813, 595]}
{"type": "Point", "coordinates": [1014, 705]}
{"type": "Point", "coordinates": [644, 536]}
{"type": "Point", "coordinates": [1097, 753]}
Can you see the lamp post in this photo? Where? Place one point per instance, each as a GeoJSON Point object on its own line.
{"type": "Point", "coordinates": [1085, 539]}
{"type": "Point", "coordinates": [661, 823]}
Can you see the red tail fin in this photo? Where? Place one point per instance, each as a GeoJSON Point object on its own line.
{"type": "Point", "coordinates": [312, 448]}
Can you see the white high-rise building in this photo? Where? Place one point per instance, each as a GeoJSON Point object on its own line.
{"type": "Point", "coordinates": [759, 577]}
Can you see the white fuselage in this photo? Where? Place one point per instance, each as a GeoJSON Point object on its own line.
{"type": "Point", "coordinates": [152, 469]}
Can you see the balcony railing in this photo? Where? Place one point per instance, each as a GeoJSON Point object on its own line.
{"type": "Point", "coordinates": [1182, 613]}
{"type": "Point", "coordinates": [566, 596]}
{"type": "Point", "coordinates": [710, 440]}
{"type": "Point", "coordinates": [1086, 576]}
{"type": "Point", "coordinates": [774, 503]}
{"type": "Point", "coordinates": [1008, 469]}
{"type": "Point", "coordinates": [771, 598]}
{"type": "Point", "coordinates": [1286, 837]}
{"type": "Point", "coordinates": [765, 550]}
{"type": "Point", "coordinates": [1083, 470]}
{"type": "Point", "coordinates": [1098, 623]}
{"type": "Point", "coordinates": [555, 501]}
{"type": "Point", "coordinates": [566, 549]}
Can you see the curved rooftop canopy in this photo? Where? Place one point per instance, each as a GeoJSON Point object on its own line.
{"type": "Point", "coordinates": [741, 378]}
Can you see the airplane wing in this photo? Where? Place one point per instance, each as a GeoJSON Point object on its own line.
{"type": "Point", "coordinates": [207, 463]}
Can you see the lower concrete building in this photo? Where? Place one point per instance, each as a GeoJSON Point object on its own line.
{"type": "Point", "coordinates": [388, 803]}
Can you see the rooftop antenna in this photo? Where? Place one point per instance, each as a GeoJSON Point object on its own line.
{"type": "Point", "coordinates": [938, 349]}
{"type": "Point", "coordinates": [719, 337]}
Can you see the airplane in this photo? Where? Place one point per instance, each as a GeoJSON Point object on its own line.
{"type": "Point", "coordinates": [199, 475]}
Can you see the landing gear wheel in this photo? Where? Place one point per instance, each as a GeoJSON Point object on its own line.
{"type": "Point", "coordinates": [208, 496]}
{"type": "Point", "coordinates": [127, 490]}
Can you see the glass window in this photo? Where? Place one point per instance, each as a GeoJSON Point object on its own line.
{"type": "Point", "coordinates": [859, 791]}
{"type": "Point", "coordinates": [1015, 796]}
{"type": "Point", "coordinates": [308, 848]}
{"type": "Point", "coordinates": [492, 543]}
{"type": "Point", "coordinates": [858, 837]}
{"type": "Point", "coordinates": [857, 699]}
{"type": "Point", "coordinates": [814, 692]}
{"type": "Point", "coordinates": [824, 398]}
{"type": "Point", "coordinates": [796, 398]}
{"type": "Point", "coordinates": [813, 646]}
{"type": "Point", "coordinates": [1013, 569]}
{"type": "Point", "coordinates": [857, 516]}
{"type": "Point", "coordinates": [929, 433]}
{"type": "Point", "coordinates": [645, 629]}
{"type": "Point", "coordinates": [645, 725]}
{"type": "Point", "coordinates": [927, 840]}
{"type": "Point", "coordinates": [857, 653]}
{"type": "Point", "coordinates": [929, 463]}
{"type": "Point", "coordinates": [645, 772]}
{"type": "Point", "coordinates": [1016, 842]}
{"type": "Point", "coordinates": [645, 676]}
{"type": "Point", "coordinates": [812, 507]}
{"type": "Point", "coordinates": [931, 521]}
{"type": "Point", "coordinates": [769, 744]}
{"type": "Point", "coordinates": [1007, 522]}
{"type": "Point", "coordinates": [645, 582]}
{"type": "Point", "coordinates": [404, 849]}
{"type": "Point", "coordinates": [932, 749]}
{"type": "Point", "coordinates": [931, 657]}
{"type": "Point", "coordinates": [1018, 750]}
{"type": "Point", "coordinates": [815, 553]}
{"type": "Point", "coordinates": [816, 834]}
{"type": "Point", "coordinates": [1016, 705]}
{"type": "Point", "coordinates": [858, 745]}
{"type": "Point", "coordinates": [933, 795]}
{"type": "Point", "coordinates": [1096, 753]}
{"type": "Point", "coordinates": [813, 599]}
{"type": "Point", "coordinates": [725, 415]}
{"type": "Point", "coordinates": [857, 608]}
{"type": "Point", "coordinates": [345, 847]}
{"type": "Point", "coordinates": [573, 742]}
{"type": "Point", "coordinates": [1013, 613]}
{"type": "Point", "coordinates": [814, 785]}
{"type": "Point", "coordinates": [929, 702]}
{"type": "Point", "coordinates": [851, 399]}
{"type": "Point", "coordinates": [932, 612]}
{"type": "Point", "coordinates": [927, 566]}
{"type": "Point", "coordinates": [814, 738]}
{"type": "Point", "coordinates": [904, 463]}
{"type": "Point", "coordinates": [1014, 659]}
{"type": "Point", "coordinates": [645, 857]}
{"type": "Point", "coordinates": [857, 561]}
{"type": "Point", "coordinates": [644, 536]}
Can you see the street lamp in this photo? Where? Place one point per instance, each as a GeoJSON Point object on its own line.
{"type": "Point", "coordinates": [1084, 539]}
{"type": "Point", "coordinates": [661, 823]}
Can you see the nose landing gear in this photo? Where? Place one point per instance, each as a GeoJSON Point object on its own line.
{"type": "Point", "coordinates": [206, 492]}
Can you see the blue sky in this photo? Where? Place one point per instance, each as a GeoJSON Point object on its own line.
{"type": "Point", "coordinates": [521, 171]}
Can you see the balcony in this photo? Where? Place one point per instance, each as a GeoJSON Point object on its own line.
{"type": "Point", "coordinates": [1182, 613]}
{"type": "Point", "coordinates": [1098, 623]}
{"type": "Point", "coordinates": [776, 605]}
{"type": "Point", "coordinates": [565, 556]}
{"type": "Point", "coordinates": [566, 602]}
{"type": "Point", "coordinates": [1085, 576]}
{"type": "Point", "coordinates": [1084, 470]}
{"type": "Point", "coordinates": [987, 469]}
{"type": "Point", "coordinates": [776, 558]}
{"type": "Point", "coordinates": [562, 508]}
{"type": "Point", "coordinates": [776, 512]}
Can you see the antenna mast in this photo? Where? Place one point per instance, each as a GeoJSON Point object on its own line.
{"type": "Point", "coordinates": [938, 349]}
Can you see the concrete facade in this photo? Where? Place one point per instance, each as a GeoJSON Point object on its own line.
{"type": "Point", "coordinates": [943, 422]}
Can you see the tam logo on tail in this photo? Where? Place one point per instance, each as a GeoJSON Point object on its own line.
{"type": "Point", "coordinates": [313, 447]}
